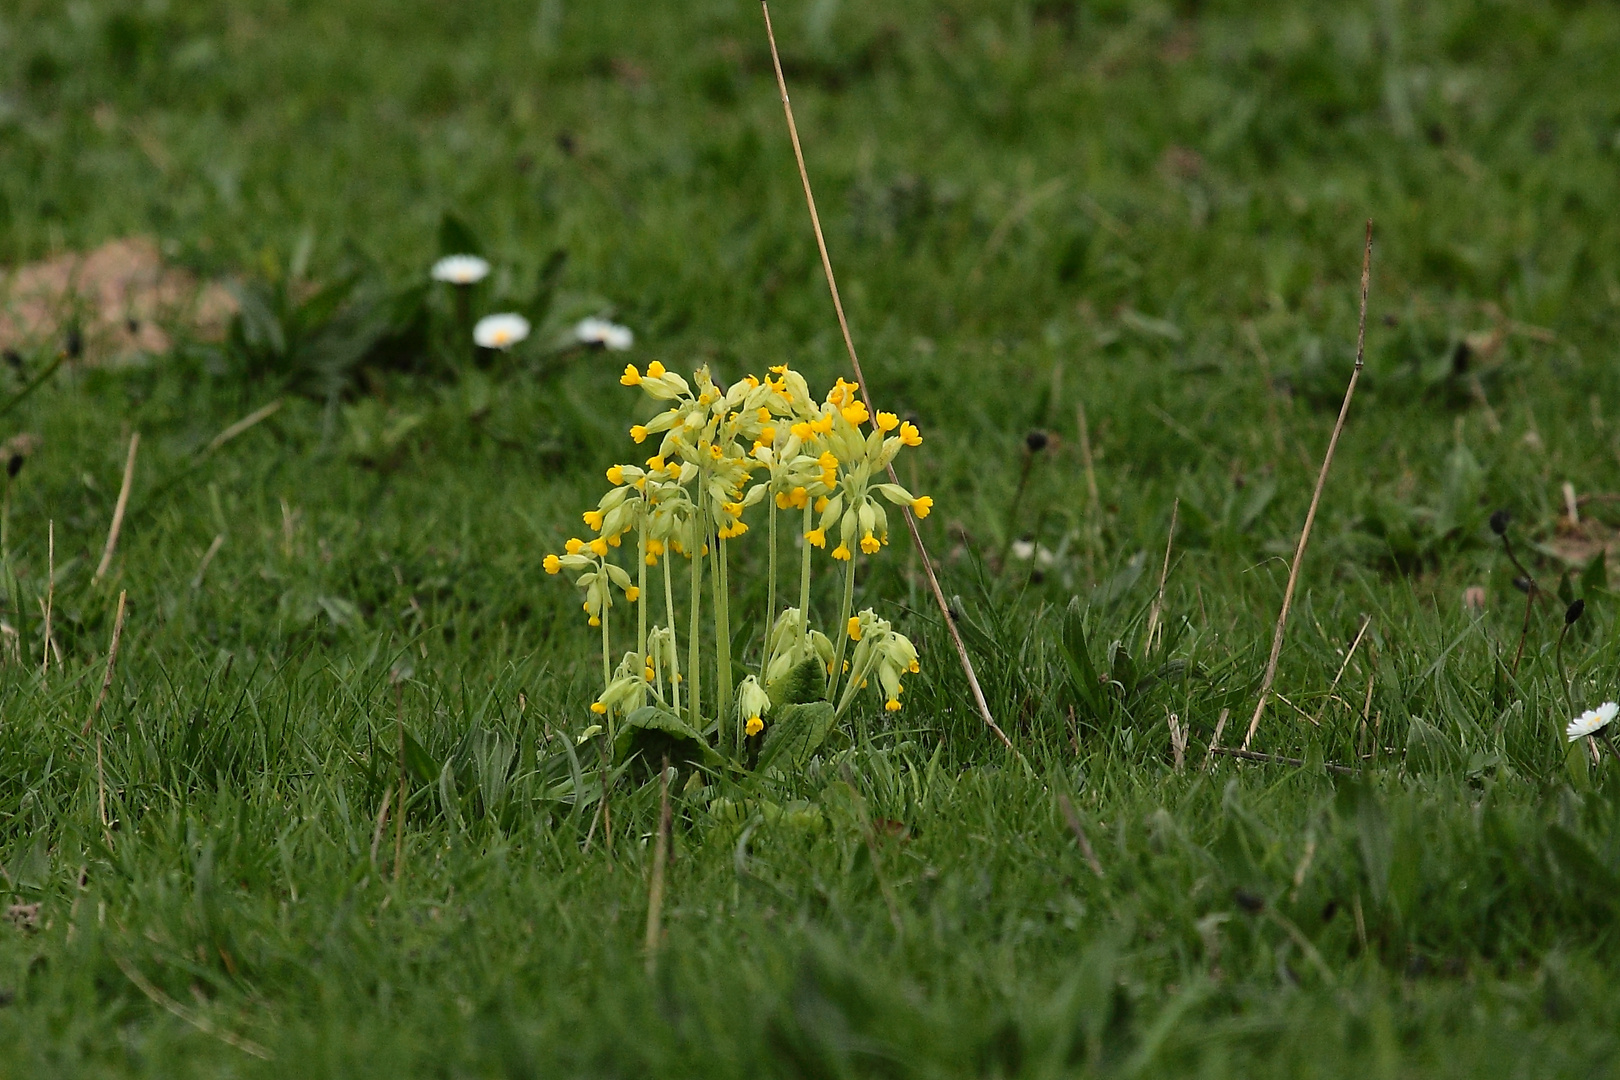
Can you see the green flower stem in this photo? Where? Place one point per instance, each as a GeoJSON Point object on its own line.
{"type": "Point", "coordinates": [804, 580]}
{"type": "Point", "coordinates": [770, 592]}
{"type": "Point", "coordinates": [693, 667]}
{"type": "Point", "coordinates": [722, 640]}
{"type": "Point", "coordinates": [674, 645]}
{"type": "Point", "coordinates": [607, 666]}
{"type": "Point", "coordinates": [641, 592]}
{"type": "Point", "coordinates": [842, 629]}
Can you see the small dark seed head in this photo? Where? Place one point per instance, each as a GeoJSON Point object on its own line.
{"type": "Point", "coordinates": [14, 358]}
{"type": "Point", "coordinates": [1574, 612]}
{"type": "Point", "coordinates": [14, 466]}
{"type": "Point", "coordinates": [1036, 441]}
{"type": "Point", "coordinates": [1522, 584]}
{"type": "Point", "coordinates": [1499, 522]}
{"type": "Point", "coordinates": [1253, 903]}
{"type": "Point", "coordinates": [74, 345]}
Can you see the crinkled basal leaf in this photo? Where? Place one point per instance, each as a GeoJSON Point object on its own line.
{"type": "Point", "coordinates": [652, 732]}
{"type": "Point", "coordinates": [793, 733]}
{"type": "Point", "coordinates": [807, 682]}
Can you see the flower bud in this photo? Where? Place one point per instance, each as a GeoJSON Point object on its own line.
{"type": "Point", "coordinates": [1574, 612]}
{"type": "Point", "coordinates": [1499, 522]}
{"type": "Point", "coordinates": [1036, 441]}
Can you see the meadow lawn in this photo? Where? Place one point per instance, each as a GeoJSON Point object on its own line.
{"type": "Point", "coordinates": [1132, 226]}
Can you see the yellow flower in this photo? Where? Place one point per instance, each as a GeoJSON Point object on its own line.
{"type": "Point", "coordinates": [599, 547]}
{"type": "Point", "coordinates": [715, 451]}
{"type": "Point", "coordinates": [638, 433]}
{"type": "Point", "coordinates": [593, 621]}
{"type": "Point", "coordinates": [817, 537]}
{"type": "Point", "coordinates": [598, 708]}
{"type": "Point", "coordinates": [779, 369]}
{"type": "Point", "coordinates": [828, 461]}
{"type": "Point", "coordinates": [893, 705]}
{"type": "Point", "coordinates": [782, 502]}
{"type": "Point", "coordinates": [631, 376]}
{"type": "Point", "coordinates": [593, 518]}
{"type": "Point", "coordinates": [734, 509]}
{"type": "Point", "coordinates": [767, 434]}
{"type": "Point", "coordinates": [821, 425]}
{"type": "Point", "coordinates": [615, 475]}
{"type": "Point", "coordinates": [552, 564]}
{"type": "Point", "coordinates": [649, 674]}
{"type": "Point", "coordinates": [764, 414]}
{"type": "Point", "coordinates": [922, 505]}
{"type": "Point", "coordinates": [655, 370]}
{"type": "Point", "coordinates": [909, 435]}
{"type": "Point", "coordinates": [870, 544]}
{"type": "Point", "coordinates": [632, 594]}
{"type": "Point", "coordinates": [613, 541]}
{"type": "Point", "coordinates": [887, 422]}
{"type": "Point", "coordinates": [799, 498]}
{"type": "Point", "coordinates": [574, 546]}
{"type": "Point", "coordinates": [841, 552]}
{"type": "Point", "coordinates": [656, 463]}
{"type": "Point", "coordinates": [802, 431]}
{"type": "Point", "coordinates": [754, 726]}
{"type": "Point", "coordinates": [821, 503]}
{"type": "Point", "coordinates": [854, 628]}
{"type": "Point", "coordinates": [856, 413]}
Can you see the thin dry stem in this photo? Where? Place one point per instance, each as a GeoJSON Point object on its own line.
{"type": "Point", "coordinates": [242, 425]}
{"type": "Point", "coordinates": [1214, 743]}
{"type": "Point", "coordinates": [1073, 820]}
{"type": "Point", "coordinates": [118, 510]}
{"type": "Point", "coordinates": [866, 395]}
{"type": "Point", "coordinates": [1164, 573]}
{"type": "Point", "coordinates": [382, 823]}
{"type": "Point", "coordinates": [1316, 497]}
{"type": "Point", "coordinates": [112, 662]}
{"type": "Point", "coordinates": [50, 593]}
{"type": "Point", "coordinates": [208, 557]}
{"type": "Point", "coordinates": [196, 1020]}
{"type": "Point", "coordinates": [1366, 621]}
{"type": "Point", "coordinates": [1278, 759]}
{"type": "Point", "coordinates": [399, 810]}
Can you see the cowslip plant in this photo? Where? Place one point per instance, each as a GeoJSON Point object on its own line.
{"type": "Point", "coordinates": [725, 454]}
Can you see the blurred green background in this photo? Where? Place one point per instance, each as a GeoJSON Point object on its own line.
{"type": "Point", "coordinates": [1153, 212]}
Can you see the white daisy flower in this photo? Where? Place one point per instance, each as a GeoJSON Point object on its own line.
{"type": "Point", "coordinates": [461, 269]}
{"type": "Point", "coordinates": [606, 334]}
{"type": "Point", "coordinates": [500, 331]}
{"type": "Point", "coordinates": [1592, 721]}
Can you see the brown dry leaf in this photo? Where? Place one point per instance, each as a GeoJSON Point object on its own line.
{"type": "Point", "coordinates": [23, 916]}
{"type": "Point", "coordinates": [123, 297]}
{"type": "Point", "coordinates": [1580, 543]}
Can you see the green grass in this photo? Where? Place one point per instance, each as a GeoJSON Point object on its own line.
{"type": "Point", "coordinates": [1031, 207]}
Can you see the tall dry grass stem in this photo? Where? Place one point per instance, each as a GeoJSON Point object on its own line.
{"type": "Point", "coordinates": [1164, 573]}
{"type": "Point", "coordinates": [1316, 497]}
{"type": "Point", "coordinates": [118, 510]}
{"type": "Point", "coordinates": [50, 594]}
{"type": "Point", "coordinates": [866, 393]}
{"type": "Point", "coordinates": [1073, 820]}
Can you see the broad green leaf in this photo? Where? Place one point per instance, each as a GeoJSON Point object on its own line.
{"type": "Point", "coordinates": [793, 733]}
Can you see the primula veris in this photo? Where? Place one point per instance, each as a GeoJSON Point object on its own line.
{"type": "Point", "coordinates": [759, 446]}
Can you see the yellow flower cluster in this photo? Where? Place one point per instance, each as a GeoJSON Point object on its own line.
{"type": "Point", "coordinates": [722, 451]}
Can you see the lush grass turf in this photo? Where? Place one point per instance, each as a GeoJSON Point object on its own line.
{"type": "Point", "coordinates": [1032, 206]}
